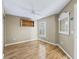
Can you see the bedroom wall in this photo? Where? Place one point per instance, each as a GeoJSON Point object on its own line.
{"type": "Point", "coordinates": [14, 33]}
{"type": "Point", "coordinates": [67, 41]}
{"type": "Point", "coordinates": [51, 28]}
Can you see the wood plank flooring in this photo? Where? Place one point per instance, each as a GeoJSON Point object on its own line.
{"type": "Point", "coordinates": [34, 50]}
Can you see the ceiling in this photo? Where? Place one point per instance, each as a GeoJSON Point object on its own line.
{"type": "Point", "coordinates": [34, 9]}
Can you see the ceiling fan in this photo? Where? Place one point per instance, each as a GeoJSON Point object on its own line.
{"type": "Point", "coordinates": [32, 10]}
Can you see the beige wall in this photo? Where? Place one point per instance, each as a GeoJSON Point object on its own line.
{"type": "Point", "coordinates": [51, 28]}
{"type": "Point", "coordinates": [15, 33]}
{"type": "Point", "coordinates": [67, 41]}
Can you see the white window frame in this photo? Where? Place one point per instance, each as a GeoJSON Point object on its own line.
{"type": "Point", "coordinates": [42, 35]}
{"type": "Point", "coordinates": [61, 17]}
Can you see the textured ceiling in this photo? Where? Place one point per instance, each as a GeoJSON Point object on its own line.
{"type": "Point", "coordinates": [34, 9]}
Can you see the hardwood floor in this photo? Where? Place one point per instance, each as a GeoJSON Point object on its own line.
{"type": "Point", "coordinates": [34, 50]}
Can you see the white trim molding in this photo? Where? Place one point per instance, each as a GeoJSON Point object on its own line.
{"type": "Point", "coordinates": [58, 46]}
{"type": "Point", "coordinates": [64, 51]}
{"type": "Point", "coordinates": [47, 42]}
{"type": "Point", "coordinates": [42, 29]}
{"type": "Point", "coordinates": [17, 43]}
{"type": "Point", "coordinates": [42, 41]}
{"type": "Point", "coordinates": [64, 17]}
{"type": "Point", "coordinates": [75, 31]}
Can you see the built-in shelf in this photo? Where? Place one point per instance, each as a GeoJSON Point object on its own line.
{"type": "Point", "coordinates": [26, 23]}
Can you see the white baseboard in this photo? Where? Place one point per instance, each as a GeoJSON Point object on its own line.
{"type": "Point", "coordinates": [64, 51]}
{"type": "Point", "coordinates": [17, 42]}
{"type": "Point", "coordinates": [43, 41]}
{"type": "Point", "coordinates": [48, 42]}
{"type": "Point", "coordinates": [58, 46]}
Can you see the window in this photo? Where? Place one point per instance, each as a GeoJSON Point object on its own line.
{"type": "Point", "coordinates": [64, 23]}
{"type": "Point", "coordinates": [42, 29]}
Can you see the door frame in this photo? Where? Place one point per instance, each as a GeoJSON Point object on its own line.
{"type": "Point", "coordinates": [75, 31]}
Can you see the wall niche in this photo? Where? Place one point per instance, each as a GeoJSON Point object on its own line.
{"type": "Point", "coordinates": [26, 22]}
